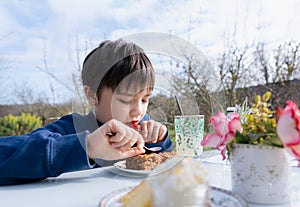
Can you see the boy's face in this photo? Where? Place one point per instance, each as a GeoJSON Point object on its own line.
{"type": "Point", "coordinates": [126, 106]}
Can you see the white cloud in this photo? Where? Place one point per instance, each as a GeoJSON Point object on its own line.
{"type": "Point", "coordinates": [69, 28]}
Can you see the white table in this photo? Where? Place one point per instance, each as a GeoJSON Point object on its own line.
{"type": "Point", "coordinates": [86, 188]}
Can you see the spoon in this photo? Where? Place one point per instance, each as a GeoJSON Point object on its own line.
{"type": "Point", "coordinates": [152, 149]}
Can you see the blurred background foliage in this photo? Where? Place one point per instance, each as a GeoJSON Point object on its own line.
{"type": "Point", "coordinates": [11, 125]}
{"type": "Point", "coordinates": [240, 73]}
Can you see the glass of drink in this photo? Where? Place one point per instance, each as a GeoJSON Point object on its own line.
{"type": "Point", "coordinates": [189, 131]}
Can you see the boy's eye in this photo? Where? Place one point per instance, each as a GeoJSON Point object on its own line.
{"type": "Point", "coordinates": [124, 101]}
{"type": "Point", "coordinates": [145, 100]}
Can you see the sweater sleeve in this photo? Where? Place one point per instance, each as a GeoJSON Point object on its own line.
{"type": "Point", "coordinates": [41, 154]}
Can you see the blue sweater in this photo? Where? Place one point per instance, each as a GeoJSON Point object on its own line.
{"type": "Point", "coordinates": [50, 151]}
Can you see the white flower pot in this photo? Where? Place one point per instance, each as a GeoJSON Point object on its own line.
{"type": "Point", "coordinates": [261, 174]}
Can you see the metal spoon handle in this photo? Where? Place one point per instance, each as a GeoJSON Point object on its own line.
{"type": "Point", "coordinates": [152, 149]}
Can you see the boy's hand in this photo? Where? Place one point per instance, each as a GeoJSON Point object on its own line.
{"type": "Point", "coordinates": [114, 140]}
{"type": "Point", "coordinates": [153, 131]}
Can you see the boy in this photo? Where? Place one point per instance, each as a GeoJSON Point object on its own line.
{"type": "Point", "coordinates": [118, 80]}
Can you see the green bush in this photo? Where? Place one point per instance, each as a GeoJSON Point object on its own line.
{"type": "Point", "coordinates": [11, 125]}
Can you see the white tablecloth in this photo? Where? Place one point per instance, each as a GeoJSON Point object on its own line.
{"type": "Point", "coordinates": [86, 188]}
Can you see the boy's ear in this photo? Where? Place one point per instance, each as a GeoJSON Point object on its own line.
{"type": "Point", "coordinates": [90, 95]}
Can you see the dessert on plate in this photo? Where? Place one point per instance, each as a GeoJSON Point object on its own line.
{"type": "Point", "coordinates": [177, 182]}
{"type": "Point", "coordinates": [147, 161]}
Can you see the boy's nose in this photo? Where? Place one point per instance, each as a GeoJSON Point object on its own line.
{"type": "Point", "coordinates": [137, 108]}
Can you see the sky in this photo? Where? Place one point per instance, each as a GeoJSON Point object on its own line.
{"type": "Point", "coordinates": [58, 34]}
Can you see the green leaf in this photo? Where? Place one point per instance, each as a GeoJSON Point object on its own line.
{"type": "Point", "coordinates": [240, 138]}
{"type": "Point", "coordinates": [273, 141]}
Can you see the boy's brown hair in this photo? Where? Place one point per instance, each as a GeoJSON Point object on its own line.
{"type": "Point", "coordinates": [115, 61]}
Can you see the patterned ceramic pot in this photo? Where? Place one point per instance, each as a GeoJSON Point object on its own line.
{"type": "Point", "coordinates": [261, 174]}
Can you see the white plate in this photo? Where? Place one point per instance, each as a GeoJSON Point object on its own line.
{"type": "Point", "coordinates": [219, 197]}
{"type": "Point", "coordinates": [121, 166]}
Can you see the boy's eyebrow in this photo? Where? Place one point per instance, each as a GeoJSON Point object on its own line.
{"type": "Point", "coordinates": [131, 95]}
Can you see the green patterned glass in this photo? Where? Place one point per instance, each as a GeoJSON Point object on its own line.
{"type": "Point", "coordinates": [189, 131]}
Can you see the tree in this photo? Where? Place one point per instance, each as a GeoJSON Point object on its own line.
{"type": "Point", "coordinates": [287, 61]}
{"type": "Point", "coordinates": [280, 69]}
{"type": "Point", "coordinates": [244, 73]}
{"type": "Point", "coordinates": [79, 104]}
{"type": "Point", "coordinates": [235, 71]}
{"type": "Point", "coordinates": [262, 63]}
{"type": "Point", "coordinates": [39, 104]}
{"type": "Point", "coordinates": [195, 83]}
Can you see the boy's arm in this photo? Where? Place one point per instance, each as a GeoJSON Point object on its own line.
{"type": "Point", "coordinates": [41, 154]}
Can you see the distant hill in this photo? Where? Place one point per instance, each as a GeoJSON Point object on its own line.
{"type": "Point", "coordinates": [281, 92]}
{"type": "Point", "coordinates": [11, 109]}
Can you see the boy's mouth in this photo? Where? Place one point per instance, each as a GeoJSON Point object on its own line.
{"type": "Point", "coordinates": [135, 125]}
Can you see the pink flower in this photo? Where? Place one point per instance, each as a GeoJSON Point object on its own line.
{"type": "Point", "coordinates": [288, 128]}
{"type": "Point", "coordinates": [225, 130]}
